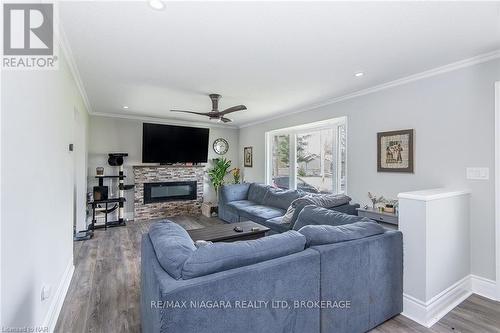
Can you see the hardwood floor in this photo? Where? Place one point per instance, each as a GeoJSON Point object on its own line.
{"type": "Point", "coordinates": [104, 292]}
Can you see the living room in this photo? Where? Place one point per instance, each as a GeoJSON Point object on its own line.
{"type": "Point", "coordinates": [250, 166]}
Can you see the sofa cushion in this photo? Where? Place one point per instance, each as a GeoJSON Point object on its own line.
{"type": "Point", "coordinates": [327, 234]}
{"type": "Point", "coordinates": [233, 192]}
{"type": "Point", "coordinates": [280, 199]}
{"type": "Point", "coordinates": [314, 215]}
{"type": "Point", "coordinates": [238, 204]}
{"type": "Point", "coordinates": [260, 213]}
{"type": "Point", "coordinates": [221, 256]}
{"type": "Point", "coordinates": [276, 224]}
{"type": "Point", "coordinates": [257, 192]}
{"type": "Point", "coordinates": [172, 245]}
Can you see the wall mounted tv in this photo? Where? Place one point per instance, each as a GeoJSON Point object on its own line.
{"type": "Point", "coordinates": [174, 144]}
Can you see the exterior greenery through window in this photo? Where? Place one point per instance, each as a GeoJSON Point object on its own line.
{"type": "Point", "coordinates": [309, 157]}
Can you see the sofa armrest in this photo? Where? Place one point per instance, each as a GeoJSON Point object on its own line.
{"type": "Point", "coordinates": [290, 278]}
{"type": "Point", "coordinates": [368, 272]}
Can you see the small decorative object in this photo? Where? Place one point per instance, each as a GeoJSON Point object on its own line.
{"type": "Point", "coordinates": [389, 208]}
{"type": "Point", "coordinates": [218, 172]}
{"type": "Point", "coordinates": [209, 209]}
{"type": "Point", "coordinates": [248, 157]}
{"type": "Point", "coordinates": [220, 146]}
{"type": "Point", "coordinates": [99, 171]}
{"type": "Point", "coordinates": [201, 243]}
{"type": "Point", "coordinates": [255, 229]}
{"type": "Point", "coordinates": [395, 151]}
{"type": "Point", "coordinates": [236, 175]}
{"type": "Point", "coordinates": [375, 200]}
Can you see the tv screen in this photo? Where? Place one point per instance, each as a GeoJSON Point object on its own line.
{"type": "Point", "coordinates": [174, 144]}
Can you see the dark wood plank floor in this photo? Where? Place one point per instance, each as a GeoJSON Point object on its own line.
{"type": "Point", "coordinates": [104, 292]}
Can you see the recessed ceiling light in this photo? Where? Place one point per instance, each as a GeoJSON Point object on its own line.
{"type": "Point", "coordinates": [125, 107]}
{"type": "Point", "coordinates": [359, 74]}
{"type": "Point", "coordinates": [156, 4]}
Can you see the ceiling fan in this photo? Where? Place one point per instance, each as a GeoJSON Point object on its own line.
{"type": "Point", "coordinates": [215, 114]}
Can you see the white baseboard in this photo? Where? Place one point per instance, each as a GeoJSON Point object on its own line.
{"type": "Point", "coordinates": [484, 287]}
{"type": "Point", "coordinates": [430, 312]}
{"type": "Point", "coordinates": [59, 296]}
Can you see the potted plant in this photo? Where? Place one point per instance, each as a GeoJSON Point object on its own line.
{"type": "Point", "coordinates": [236, 175]}
{"type": "Point", "coordinates": [217, 173]}
{"type": "Point", "coordinates": [375, 200]}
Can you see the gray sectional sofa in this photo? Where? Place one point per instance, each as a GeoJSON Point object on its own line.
{"type": "Point", "coordinates": [338, 274]}
{"type": "Point", "coordinates": [265, 205]}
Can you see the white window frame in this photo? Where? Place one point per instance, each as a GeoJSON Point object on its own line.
{"type": "Point", "coordinates": [300, 129]}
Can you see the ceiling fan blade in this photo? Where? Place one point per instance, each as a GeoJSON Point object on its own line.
{"type": "Point", "coordinates": [225, 120]}
{"type": "Point", "coordinates": [233, 109]}
{"type": "Point", "coordinates": [199, 113]}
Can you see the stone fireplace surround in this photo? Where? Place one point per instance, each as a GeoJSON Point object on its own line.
{"type": "Point", "coordinates": [166, 173]}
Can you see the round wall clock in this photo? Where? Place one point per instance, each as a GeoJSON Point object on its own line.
{"type": "Point", "coordinates": [221, 146]}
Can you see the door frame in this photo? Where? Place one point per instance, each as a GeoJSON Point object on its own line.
{"type": "Point", "coordinates": [497, 187]}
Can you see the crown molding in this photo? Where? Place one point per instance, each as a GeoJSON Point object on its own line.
{"type": "Point", "coordinates": [414, 77]}
{"type": "Point", "coordinates": [168, 121]}
{"type": "Point", "coordinates": [68, 54]}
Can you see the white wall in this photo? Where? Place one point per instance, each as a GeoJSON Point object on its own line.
{"type": "Point", "coordinates": [37, 191]}
{"type": "Point", "coordinates": [453, 118]}
{"type": "Point", "coordinates": [108, 134]}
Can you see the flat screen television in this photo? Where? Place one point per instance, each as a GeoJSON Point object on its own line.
{"type": "Point", "coordinates": [174, 144]}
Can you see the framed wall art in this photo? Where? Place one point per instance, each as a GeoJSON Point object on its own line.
{"type": "Point", "coordinates": [395, 151]}
{"type": "Point", "coordinates": [248, 157]}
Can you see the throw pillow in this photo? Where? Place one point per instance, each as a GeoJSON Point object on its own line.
{"type": "Point", "coordinates": [320, 200]}
{"type": "Point", "coordinates": [314, 215]}
{"type": "Point", "coordinates": [287, 218]}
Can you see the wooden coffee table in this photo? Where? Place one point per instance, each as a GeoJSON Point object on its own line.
{"type": "Point", "coordinates": [226, 233]}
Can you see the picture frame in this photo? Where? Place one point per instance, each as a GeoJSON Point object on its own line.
{"type": "Point", "coordinates": [248, 157]}
{"type": "Point", "coordinates": [395, 151]}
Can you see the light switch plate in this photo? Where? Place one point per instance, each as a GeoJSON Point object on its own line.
{"type": "Point", "coordinates": [45, 292]}
{"type": "Point", "coordinates": [478, 173]}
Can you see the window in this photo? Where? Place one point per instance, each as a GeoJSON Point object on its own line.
{"type": "Point", "coordinates": [281, 160]}
{"type": "Point", "coordinates": [311, 157]}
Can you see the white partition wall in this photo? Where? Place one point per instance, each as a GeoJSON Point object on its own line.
{"type": "Point", "coordinates": [436, 240]}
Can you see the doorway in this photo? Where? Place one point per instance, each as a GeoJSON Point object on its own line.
{"type": "Point", "coordinates": [497, 186]}
{"type": "Point", "coordinates": [79, 172]}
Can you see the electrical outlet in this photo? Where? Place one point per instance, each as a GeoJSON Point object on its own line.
{"type": "Point", "coordinates": [478, 173]}
{"type": "Point", "coordinates": [45, 292]}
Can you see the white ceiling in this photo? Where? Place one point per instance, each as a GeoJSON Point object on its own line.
{"type": "Point", "coordinates": [270, 56]}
